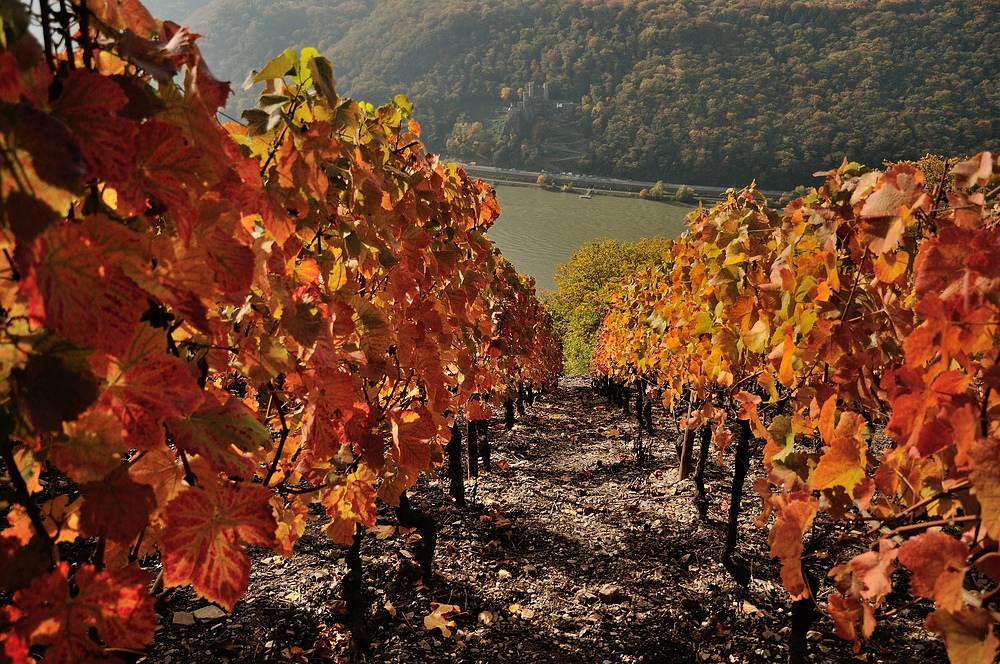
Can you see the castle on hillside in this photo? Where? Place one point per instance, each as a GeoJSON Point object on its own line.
{"type": "Point", "coordinates": [535, 101]}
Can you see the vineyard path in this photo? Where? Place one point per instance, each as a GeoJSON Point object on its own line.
{"type": "Point", "coordinates": [569, 551]}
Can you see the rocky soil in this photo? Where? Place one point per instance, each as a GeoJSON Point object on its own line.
{"type": "Point", "coordinates": [569, 551]}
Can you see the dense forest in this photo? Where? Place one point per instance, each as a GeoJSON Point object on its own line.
{"type": "Point", "coordinates": [714, 92]}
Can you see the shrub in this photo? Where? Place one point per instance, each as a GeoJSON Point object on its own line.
{"type": "Point", "coordinates": [684, 194]}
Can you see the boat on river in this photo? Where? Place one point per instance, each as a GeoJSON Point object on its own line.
{"type": "Point", "coordinates": [589, 194]}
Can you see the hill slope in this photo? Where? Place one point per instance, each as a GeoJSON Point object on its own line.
{"type": "Point", "coordinates": [717, 92]}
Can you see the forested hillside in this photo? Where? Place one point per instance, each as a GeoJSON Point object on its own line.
{"type": "Point", "coordinates": [717, 92]}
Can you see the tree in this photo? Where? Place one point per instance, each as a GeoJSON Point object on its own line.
{"type": "Point", "coordinates": [584, 286]}
{"type": "Point", "coordinates": [656, 191]}
{"type": "Point", "coordinates": [684, 194]}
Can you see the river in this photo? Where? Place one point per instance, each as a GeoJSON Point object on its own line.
{"type": "Point", "coordinates": [537, 229]}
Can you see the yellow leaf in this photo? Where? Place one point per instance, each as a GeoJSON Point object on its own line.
{"type": "Point", "coordinates": [438, 618]}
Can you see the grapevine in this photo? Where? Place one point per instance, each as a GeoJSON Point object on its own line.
{"type": "Point", "coordinates": [868, 304]}
{"type": "Point", "coordinates": [208, 328]}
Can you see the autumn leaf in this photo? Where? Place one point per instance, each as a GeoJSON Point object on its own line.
{"type": "Point", "coordinates": [937, 563]}
{"type": "Point", "coordinates": [116, 507]}
{"type": "Point", "coordinates": [412, 432]}
{"type": "Point", "coordinates": [291, 519]}
{"type": "Point", "coordinates": [438, 618]}
{"type": "Point", "coordinates": [967, 634]}
{"type": "Point", "coordinates": [88, 105]}
{"type": "Point", "coordinates": [90, 447]}
{"type": "Point", "coordinates": [986, 478]}
{"type": "Point", "coordinates": [205, 535]}
{"type": "Point", "coordinates": [842, 464]}
{"type": "Point", "coordinates": [115, 603]}
{"type": "Point", "coordinates": [146, 386]}
{"type": "Point", "coordinates": [124, 15]}
{"type": "Point", "coordinates": [46, 162]}
{"type": "Point", "coordinates": [868, 575]}
{"type": "Point", "coordinates": [847, 612]}
{"type": "Point", "coordinates": [167, 171]}
{"type": "Point", "coordinates": [976, 171]}
{"type": "Point", "coordinates": [785, 538]}
{"type": "Point", "coordinates": [329, 404]}
{"type": "Point", "coordinates": [223, 431]}
{"type": "Point", "coordinates": [349, 504]}
{"type": "Point", "coordinates": [52, 392]}
{"type": "Point", "coordinates": [75, 283]}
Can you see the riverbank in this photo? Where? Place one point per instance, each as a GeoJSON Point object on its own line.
{"type": "Point", "coordinates": [604, 186]}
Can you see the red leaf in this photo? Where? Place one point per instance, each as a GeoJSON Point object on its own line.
{"type": "Point", "coordinates": [147, 386]}
{"type": "Point", "coordinates": [116, 507]}
{"type": "Point", "coordinates": [76, 286]}
{"type": "Point", "coordinates": [222, 433]}
{"type": "Point", "coordinates": [329, 404]}
{"type": "Point", "coordinates": [936, 561]}
{"type": "Point", "coordinates": [52, 392]}
{"type": "Point", "coordinates": [203, 542]}
{"type": "Point", "coordinates": [115, 603]}
{"type": "Point", "coordinates": [88, 105]}
{"type": "Point", "coordinates": [231, 261]}
{"type": "Point", "coordinates": [168, 170]}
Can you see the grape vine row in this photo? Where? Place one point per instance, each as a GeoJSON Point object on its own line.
{"type": "Point", "coordinates": [206, 329]}
{"type": "Point", "coordinates": [855, 334]}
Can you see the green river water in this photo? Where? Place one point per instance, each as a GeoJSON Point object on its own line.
{"type": "Point", "coordinates": [537, 230]}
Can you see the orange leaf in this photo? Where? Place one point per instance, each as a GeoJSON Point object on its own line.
{"type": "Point", "coordinates": [847, 612]}
{"type": "Point", "coordinates": [891, 266]}
{"type": "Point", "coordinates": [93, 446]}
{"type": "Point", "coordinates": [967, 634]}
{"type": "Point", "coordinates": [291, 519]}
{"type": "Point", "coordinates": [842, 464]}
{"type": "Point", "coordinates": [785, 373]}
{"type": "Point", "coordinates": [828, 420]}
{"type": "Point", "coordinates": [115, 603]}
{"type": "Point", "coordinates": [412, 433]}
{"type": "Point", "coordinates": [124, 15]}
{"type": "Point", "coordinates": [986, 478]}
{"type": "Point", "coordinates": [870, 572]}
{"type": "Point", "coordinates": [203, 542]}
{"type": "Point", "coordinates": [937, 562]}
{"type": "Point", "coordinates": [790, 525]}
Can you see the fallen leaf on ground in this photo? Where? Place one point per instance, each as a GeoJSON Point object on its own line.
{"type": "Point", "coordinates": [438, 618]}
